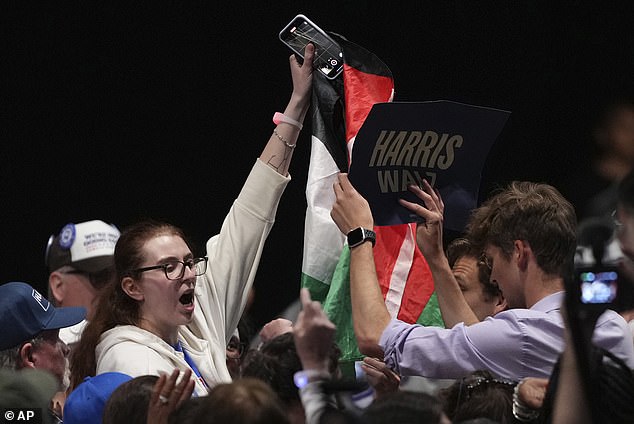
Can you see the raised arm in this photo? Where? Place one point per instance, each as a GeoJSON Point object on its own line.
{"type": "Point", "coordinates": [369, 313]}
{"type": "Point", "coordinates": [278, 151]}
{"type": "Point", "coordinates": [234, 254]}
{"type": "Point", "coordinates": [313, 335]}
{"type": "Point", "coordinates": [429, 237]}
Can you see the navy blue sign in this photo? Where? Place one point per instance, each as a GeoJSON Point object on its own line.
{"type": "Point", "coordinates": [402, 143]}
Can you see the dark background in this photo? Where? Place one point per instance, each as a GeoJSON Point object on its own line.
{"type": "Point", "coordinates": [158, 109]}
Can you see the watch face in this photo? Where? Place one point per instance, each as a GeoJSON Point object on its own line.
{"type": "Point", "coordinates": [360, 235]}
{"type": "Point", "coordinates": [355, 237]}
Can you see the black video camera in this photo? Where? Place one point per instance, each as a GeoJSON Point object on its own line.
{"type": "Point", "coordinates": [598, 282]}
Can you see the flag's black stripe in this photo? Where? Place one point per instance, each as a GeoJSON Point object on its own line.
{"type": "Point", "coordinates": [328, 119]}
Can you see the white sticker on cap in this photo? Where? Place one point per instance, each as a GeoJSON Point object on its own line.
{"type": "Point", "coordinates": [40, 299]}
{"type": "Point", "coordinates": [67, 236]}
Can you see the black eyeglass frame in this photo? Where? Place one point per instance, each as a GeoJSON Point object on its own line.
{"type": "Point", "coordinates": [190, 263]}
{"type": "Point", "coordinates": [239, 347]}
{"type": "Point", "coordinates": [486, 261]}
{"type": "Point", "coordinates": [618, 225]}
{"type": "Point", "coordinates": [467, 384]}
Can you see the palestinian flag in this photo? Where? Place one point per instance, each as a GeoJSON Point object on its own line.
{"type": "Point", "coordinates": [339, 108]}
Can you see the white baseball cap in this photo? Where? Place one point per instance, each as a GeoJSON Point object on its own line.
{"type": "Point", "coordinates": [87, 246]}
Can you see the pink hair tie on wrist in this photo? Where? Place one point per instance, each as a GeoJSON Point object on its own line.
{"type": "Point", "coordinates": [279, 117]}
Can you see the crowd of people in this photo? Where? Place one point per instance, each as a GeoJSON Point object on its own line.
{"type": "Point", "coordinates": [137, 328]}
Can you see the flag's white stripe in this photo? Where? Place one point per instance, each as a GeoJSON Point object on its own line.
{"type": "Point", "coordinates": [350, 145]}
{"type": "Point", "coordinates": [322, 239]}
{"type": "Point", "coordinates": [398, 279]}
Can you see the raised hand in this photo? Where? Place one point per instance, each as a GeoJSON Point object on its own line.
{"type": "Point", "coordinates": [382, 379]}
{"type": "Point", "coordinates": [167, 395]}
{"type": "Point", "coordinates": [350, 209]}
{"type": "Point", "coordinates": [313, 333]}
{"type": "Point", "coordinates": [429, 236]}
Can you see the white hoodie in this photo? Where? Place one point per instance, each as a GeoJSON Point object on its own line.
{"type": "Point", "coordinates": [221, 294]}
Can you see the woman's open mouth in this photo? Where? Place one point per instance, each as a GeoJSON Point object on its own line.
{"type": "Point", "coordinates": [187, 298]}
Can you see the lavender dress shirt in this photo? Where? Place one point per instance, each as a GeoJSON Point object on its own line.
{"type": "Point", "coordinates": [514, 344]}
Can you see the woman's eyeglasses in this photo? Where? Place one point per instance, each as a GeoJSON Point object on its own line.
{"type": "Point", "coordinates": [618, 225]}
{"type": "Point", "coordinates": [472, 383]}
{"type": "Point", "coordinates": [235, 349]}
{"type": "Point", "coordinates": [175, 269]}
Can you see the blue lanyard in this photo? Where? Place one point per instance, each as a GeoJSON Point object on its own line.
{"type": "Point", "coordinates": [191, 363]}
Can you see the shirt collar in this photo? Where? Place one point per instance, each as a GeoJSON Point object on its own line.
{"type": "Point", "coordinates": [550, 303]}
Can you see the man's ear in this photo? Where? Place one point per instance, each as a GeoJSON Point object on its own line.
{"type": "Point", "coordinates": [523, 254]}
{"type": "Point", "coordinates": [500, 304]}
{"type": "Point", "coordinates": [26, 355]}
{"type": "Point", "coordinates": [132, 288]}
{"type": "Point", "coordinates": [57, 287]}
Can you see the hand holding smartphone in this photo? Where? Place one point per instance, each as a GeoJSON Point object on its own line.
{"type": "Point", "coordinates": [328, 54]}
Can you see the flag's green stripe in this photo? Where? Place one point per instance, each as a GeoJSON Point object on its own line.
{"type": "Point", "coordinates": [431, 313]}
{"type": "Point", "coordinates": [338, 307]}
{"type": "Point", "coordinates": [318, 290]}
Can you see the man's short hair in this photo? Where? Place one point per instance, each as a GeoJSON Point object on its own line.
{"type": "Point", "coordinates": [277, 361]}
{"type": "Point", "coordinates": [404, 406]}
{"type": "Point", "coordinates": [535, 213]}
{"type": "Point", "coordinates": [479, 394]}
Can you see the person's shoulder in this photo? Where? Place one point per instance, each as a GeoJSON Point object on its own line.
{"type": "Point", "coordinates": [610, 317]}
{"type": "Point", "coordinates": [129, 340]}
{"type": "Point", "coordinates": [529, 317]}
{"type": "Point", "coordinates": [122, 333]}
{"type": "Point", "coordinates": [135, 362]}
{"type": "Point", "coordinates": [132, 352]}
{"type": "Point", "coordinates": [514, 314]}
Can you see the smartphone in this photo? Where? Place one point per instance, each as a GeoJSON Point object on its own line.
{"type": "Point", "coordinates": [598, 285]}
{"type": "Point", "coordinates": [328, 54]}
{"type": "Point", "coordinates": [359, 374]}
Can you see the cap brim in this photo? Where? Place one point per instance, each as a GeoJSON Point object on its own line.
{"type": "Point", "coordinates": [65, 317]}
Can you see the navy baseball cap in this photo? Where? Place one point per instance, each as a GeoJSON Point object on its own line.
{"type": "Point", "coordinates": [86, 402]}
{"type": "Point", "coordinates": [25, 313]}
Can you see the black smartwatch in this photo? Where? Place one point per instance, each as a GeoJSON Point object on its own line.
{"type": "Point", "coordinates": [359, 236]}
